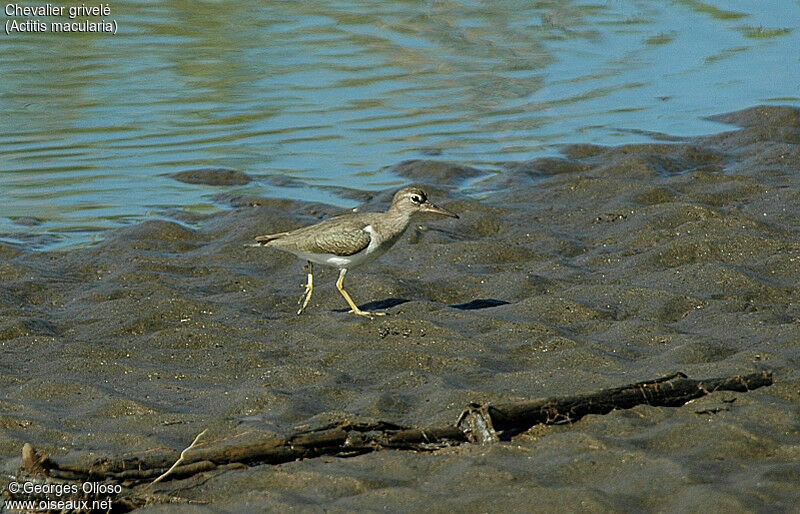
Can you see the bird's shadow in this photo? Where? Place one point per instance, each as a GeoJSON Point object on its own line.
{"type": "Point", "coordinates": [388, 303]}
{"type": "Point", "coordinates": [479, 303]}
{"type": "Point", "coordinates": [378, 305]}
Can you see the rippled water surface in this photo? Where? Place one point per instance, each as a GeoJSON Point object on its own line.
{"type": "Point", "coordinates": [337, 93]}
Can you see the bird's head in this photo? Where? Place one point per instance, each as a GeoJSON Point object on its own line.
{"type": "Point", "coordinates": [413, 199]}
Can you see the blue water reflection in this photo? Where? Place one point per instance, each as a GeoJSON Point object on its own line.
{"type": "Point", "coordinates": [337, 93]}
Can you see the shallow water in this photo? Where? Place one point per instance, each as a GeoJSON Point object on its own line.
{"type": "Point", "coordinates": [95, 123]}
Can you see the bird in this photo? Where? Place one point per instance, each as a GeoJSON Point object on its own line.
{"type": "Point", "coordinates": [351, 240]}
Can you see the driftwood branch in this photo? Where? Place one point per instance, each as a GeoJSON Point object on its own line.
{"type": "Point", "coordinates": [481, 423]}
{"type": "Point", "coordinates": [477, 424]}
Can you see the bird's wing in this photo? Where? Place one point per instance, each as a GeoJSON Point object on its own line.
{"type": "Point", "coordinates": [338, 236]}
{"type": "Point", "coordinates": [345, 237]}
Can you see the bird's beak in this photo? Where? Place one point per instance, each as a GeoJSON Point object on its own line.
{"type": "Point", "coordinates": [429, 207]}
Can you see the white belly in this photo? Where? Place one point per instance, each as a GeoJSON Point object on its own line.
{"type": "Point", "coordinates": [338, 261]}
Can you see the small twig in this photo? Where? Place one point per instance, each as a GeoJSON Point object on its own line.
{"type": "Point", "coordinates": [180, 459]}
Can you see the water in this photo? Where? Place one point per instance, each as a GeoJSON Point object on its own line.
{"type": "Point", "coordinates": [337, 93]}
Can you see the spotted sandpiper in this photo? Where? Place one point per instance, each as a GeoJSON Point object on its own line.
{"type": "Point", "coordinates": [351, 240]}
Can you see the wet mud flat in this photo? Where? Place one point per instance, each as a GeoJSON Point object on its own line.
{"type": "Point", "coordinates": [607, 266]}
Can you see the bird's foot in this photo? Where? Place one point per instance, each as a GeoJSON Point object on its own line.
{"type": "Point", "coordinates": [367, 314]}
{"type": "Point", "coordinates": [305, 298]}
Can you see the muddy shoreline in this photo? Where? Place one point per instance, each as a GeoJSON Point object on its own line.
{"type": "Point", "coordinates": [607, 266]}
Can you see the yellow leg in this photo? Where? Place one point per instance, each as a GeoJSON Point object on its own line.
{"type": "Point", "coordinates": [353, 307]}
{"type": "Point", "coordinates": [309, 289]}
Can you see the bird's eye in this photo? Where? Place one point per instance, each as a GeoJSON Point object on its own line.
{"type": "Point", "coordinates": [416, 199]}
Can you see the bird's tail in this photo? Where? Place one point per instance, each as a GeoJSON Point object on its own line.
{"type": "Point", "coordinates": [264, 240]}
